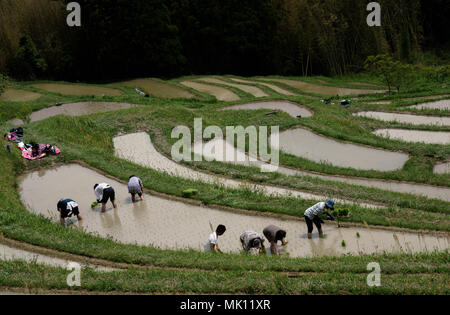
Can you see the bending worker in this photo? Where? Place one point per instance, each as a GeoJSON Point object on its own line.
{"type": "Point", "coordinates": [103, 192]}
{"type": "Point", "coordinates": [213, 240]}
{"type": "Point", "coordinates": [312, 215]}
{"type": "Point", "coordinates": [67, 208]}
{"type": "Point", "coordinates": [251, 239]}
{"type": "Point", "coordinates": [274, 234]}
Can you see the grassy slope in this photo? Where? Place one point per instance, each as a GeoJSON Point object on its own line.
{"type": "Point", "coordinates": [16, 222]}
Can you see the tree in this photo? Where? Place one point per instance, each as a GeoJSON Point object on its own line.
{"type": "Point", "coordinates": [3, 82]}
{"type": "Point", "coordinates": [392, 72]}
{"type": "Point", "coordinates": [27, 63]}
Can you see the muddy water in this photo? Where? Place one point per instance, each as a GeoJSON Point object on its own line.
{"type": "Point", "coordinates": [158, 89]}
{"type": "Point", "coordinates": [406, 118]}
{"type": "Point", "coordinates": [72, 89]}
{"type": "Point", "coordinates": [15, 95]}
{"type": "Point", "coordinates": [291, 108]}
{"type": "Point", "coordinates": [425, 105]}
{"type": "Point", "coordinates": [322, 89]}
{"type": "Point", "coordinates": [442, 105]}
{"type": "Point", "coordinates": [437, 137]}
{"type": "Point", "coordinates": [253, 90]}
{"type": "Point", "coordinates": [222, 94]}
{"type": "Point", "coordinates": [308, 145]}
{"type": "Point", "coordinates": [139, 149]}
{"type": "Point", "coordinates": [402, 187]}
{"type": "Point", "coordinates": [270, 86]}
{"type": "Point", "coordinates": [443, 168]}
{"type": "Point", "coordinates": [10, 253]}
{"type": "Point", "coordinates": [172, 224]}
{"type": "Point", "coordinates": [75, 109]}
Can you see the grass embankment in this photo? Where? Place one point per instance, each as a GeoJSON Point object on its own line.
{"type": "Point", "coordinates": [34, 277]}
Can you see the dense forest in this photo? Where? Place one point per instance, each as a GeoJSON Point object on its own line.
{"type": "Point", "coordinates": [122, 39]}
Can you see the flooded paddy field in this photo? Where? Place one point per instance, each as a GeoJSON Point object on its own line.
{"type": "Point", "coordinates": [171, 224]}
{"type": "Point", "coordinates": [220, 93]}
{"type": "Point", "coordinates": [11, 253]}
{"type": "Point", "coordinates": [442, 105]}
{"type": "Point", "coordinates": [406, 118]}
{"type": "Point", "coordinates": [16, 95]}
{"type": "Point", "coordinates": [75, 109]}
{"type": "Point", "coordinates": [253, 90]}
{"type": "Point", "coordinates": [435, 137]}
{"type": "Point", "coordinates": [306, 144]}
{"type": "Point", "coordinates": [292, 109]}
{"type": "Point", "coordinates": [241, 158]}
{"type": "Point", "coordinates": [269, 85]}
{"type": "Point", "coordinates": [321, 89]}
{"type": "Point", "coordinates": [138, 148]}
{"type": "Point", "coordinates": [158, 89]}
{"type": "Point", "coordinates": [443, 168]}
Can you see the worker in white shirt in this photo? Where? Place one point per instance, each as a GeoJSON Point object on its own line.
{"type": "Point", "coordinates": [103, 192]}
{"type": "Point", "coordinates": [312, 215]}
{"type": "Point", "coordinates": [212, 245]}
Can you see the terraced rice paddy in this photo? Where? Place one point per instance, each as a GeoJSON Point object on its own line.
{"type": "Point", "coordinates": [75, 89]}
{"type": "Point", "coordinates": [291, 108]}
{"type": "Point", "coordinates": [253, 90]}
{"type": "Point", "coordinates": [166, 223]}
{"type": "Point", "coordinates": [306, 144]}
{"type": "Point", "coordinates": [274, 87]}
{"type": "Point", "coordinates": [138, 148]}
{"type": "Point", "coordinates": [158, 89]}
{"type": "Point", "coordinates": [406, 118]}
{"type": "Point", "coordinates": [220, 93]}
{"type": "Point", "coordinates": [75, 109]}
{"type": "Point", "coordinates": [16, 95]}
{"type": "Point", "coordinates": [321, 89]}
{"type": "Point", "coordinates": [436, 137]}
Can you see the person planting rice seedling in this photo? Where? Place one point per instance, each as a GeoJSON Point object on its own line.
{"type": "Point", "coordinates": [312, 215]}
{"type": "Point", "coordinates": [252, 239]}
{"type": "Point", "coordinates": [274, 234]}
{"type": "Point", "coordinates": [67, 208]}
{"type": "Point", "coordinates": [103, 192]}
{"type": "Point", "coordinates": [212, 244]}
{"type": "Point", "coordinates": [135, 186]}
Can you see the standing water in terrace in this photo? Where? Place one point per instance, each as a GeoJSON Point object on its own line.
{"type": "Point", "coordinates": [170, 224]}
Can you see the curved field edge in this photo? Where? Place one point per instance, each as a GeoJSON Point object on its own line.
{"type": "Point", "coordinates": [83, 138]}
{"type": "Point", "coordinates": [18, 223]}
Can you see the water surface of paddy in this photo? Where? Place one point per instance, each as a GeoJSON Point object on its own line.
{"type": "Point", "coordinates": [270, 86]}
{"type": "Point", "coordinates": [253, 90]}
{"type": "Point", "coordinates": [158, 89]}
{"type": "Point", "coordinates": [321, 89]}
{"type": "Point", "coordinates": [435, 137]}
{"type": "Point", "coordinates": [308, 145]}
{"type": "Point", "coordinates": [406, 118]}
{"type": "Point", "coordinates": [222, 94]}
{"type": "Point", "coordinates": [75, 109]}
{"type": "Point", "coordinates": [170, 224]}
{"type": "Point", "coordinates": [16, 95]}
{"type": "Point", "coordinates": [291, 108]}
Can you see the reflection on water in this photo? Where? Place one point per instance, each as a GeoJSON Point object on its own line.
{"type": "Point", "coordinates": [308, 145]}
{"type": "Point", "coordinates": [172, 224]}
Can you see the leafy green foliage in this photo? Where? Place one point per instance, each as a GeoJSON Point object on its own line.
{"type": "Point", "coordinates": [393, 73]}
{"type": "Point", "coordinates": [27, 63]}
